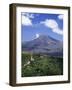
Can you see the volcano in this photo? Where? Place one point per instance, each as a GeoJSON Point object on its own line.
{"type": "Point", "coordinates": [44, 45]}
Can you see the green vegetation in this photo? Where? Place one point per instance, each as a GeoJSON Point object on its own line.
{"type": "Point", "coordinates": [42, 65]}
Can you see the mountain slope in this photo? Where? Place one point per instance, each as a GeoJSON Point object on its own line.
{"type": "Point", "coordinates": [44, 44]}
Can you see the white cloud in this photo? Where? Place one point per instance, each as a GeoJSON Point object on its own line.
{"type": "Point", "coordinates": [51, 23]}
{"type": "Point", "coordinates": [26, 20]}
{"type": "Point", "coordinates": [29, 15]}
{"type": "Point", "coordinates": [37, 35]}
{"type": "Point", "coordinates": [60, 17]}
{"type": "Point", "coordinates": [58, 31]}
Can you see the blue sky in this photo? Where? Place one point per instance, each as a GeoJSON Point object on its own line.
{"type": "Point", "coordinates": [35, 24]}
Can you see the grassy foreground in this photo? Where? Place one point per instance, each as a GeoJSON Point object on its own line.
{"type": "Point", "coordinates": [40, 65]}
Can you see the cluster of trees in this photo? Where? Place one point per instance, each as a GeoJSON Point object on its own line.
{"type": "Point", "coordinates": [43, 65]}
